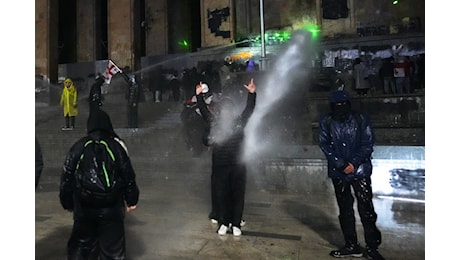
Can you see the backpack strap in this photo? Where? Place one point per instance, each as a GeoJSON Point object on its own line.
{"type": "Point", "coordinates": [107, 148]}
{"type": "Point", "coordinates": [82, 155]}
{"type": "Point", "coordinates": [109, 151]}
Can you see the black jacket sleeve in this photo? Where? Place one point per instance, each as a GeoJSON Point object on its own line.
{"type": "Point", "coordinates": [205, 113]}
{"type": "Point", "coordinates": [128, 176]}
{"type": "Point", "coordinates": [249, 109]}
{"type": "Point", "coordinates": [208, 118]}
{"type": "Point", "coordinates": [67, 184]}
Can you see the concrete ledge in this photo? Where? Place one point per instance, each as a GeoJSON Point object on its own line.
{"type": "Point", "coordinates": [298, 173]}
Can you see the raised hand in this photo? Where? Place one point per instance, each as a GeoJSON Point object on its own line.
{"type": "Point", "coordinates": [198, 88]}
{"type": "Point", "coordinates": [251, 87]}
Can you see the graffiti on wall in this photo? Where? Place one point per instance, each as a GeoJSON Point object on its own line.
{"type": "Point", "coordinates": [215, 20]}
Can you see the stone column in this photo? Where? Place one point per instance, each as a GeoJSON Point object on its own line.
{"type": "Point", "coordinates": [156, 27]}
{"type": "Point", "coordinates": [86, 35]}
{"type": "Point", "coordinates": [46, 39]}
{"type": "Point", "coordinates": [121, 36]}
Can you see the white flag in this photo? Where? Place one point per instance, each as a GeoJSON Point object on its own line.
{"type": "Point", "coordinates": [111, 70]}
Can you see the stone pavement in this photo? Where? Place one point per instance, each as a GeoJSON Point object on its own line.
{"type": "Point", "coordinates": [171, 219]}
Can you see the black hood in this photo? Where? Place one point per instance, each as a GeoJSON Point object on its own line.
{"type": "Point", "coordinates": [340, 111]}
{"type": "Point", "coordinates": [99, 120]}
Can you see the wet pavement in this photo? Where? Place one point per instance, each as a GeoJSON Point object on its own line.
{"type": "Point", "coordinates": [171, 219]}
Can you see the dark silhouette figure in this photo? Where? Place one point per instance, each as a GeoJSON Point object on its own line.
{"type": "Point", "coordinates": [38, 162]}
{"type": "Point", "coordinates": [95, 93]}
{"type": "Point", "coordinates": [98, 226]}
{"type": "Point", "coordinates": [347, 140]}
{"type": "Point", "coordinates": [133, 102]}
{"type": "Point", "coordinates": [225, 134]}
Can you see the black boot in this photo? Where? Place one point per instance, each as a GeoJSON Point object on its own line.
{"type": "Point", "coordinates": [373, 254]}
{"type": "Point", "coordinates": [347, 250]}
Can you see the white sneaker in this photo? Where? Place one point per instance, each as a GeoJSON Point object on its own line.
{"type": "Point", "coordinates": [214, 221]}
{"type": "Point", "coordinates": [222, 230]}
{"type": "Point", "coordinates": [236, 231]}
{"type": "Point", "coordinates": [242, 223]}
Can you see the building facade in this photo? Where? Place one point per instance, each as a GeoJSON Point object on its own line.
{"type": "Point", "coordinates": [78, 31]}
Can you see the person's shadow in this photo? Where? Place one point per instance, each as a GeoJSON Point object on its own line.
{"type": "Point", "coordinates": [317, 220]}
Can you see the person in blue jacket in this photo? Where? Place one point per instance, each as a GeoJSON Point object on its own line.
{"type": "Point", "coordinates": [347, 140]}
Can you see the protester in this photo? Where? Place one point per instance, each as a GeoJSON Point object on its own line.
{"type": "Point", "coordinates": [387, 73]}
{"type": "Point", "coordinates": [193, 126]}
{"type": "Point", "coordinates": [133, 102]}
{"type": "Point", "coordinates": [95, 93]}
{"type": "Point", "coordinates": [38, 162]}
{"type": "Point", "coordinates": [98, 226]}
{"type": "Point", "coordinates": [225, 134]}
{"type": "Point", "coordinates": [347, 139]}
{"type": "Point", "coordinates": [174, 85]}
{"type": "Point", "coordinates": [361, 77]}
{"type": "Point", "coordinates": [225, 74]}
{"type": "Point", "coordinates": [69, 102]}
{"type": "Point", "coordinates": [402, 75]}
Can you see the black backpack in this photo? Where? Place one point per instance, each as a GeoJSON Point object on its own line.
{"type": "Point", "coordinates": [96, 175]}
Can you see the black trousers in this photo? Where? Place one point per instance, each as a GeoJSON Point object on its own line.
{"type": "Point", "coordinates": [132, 117]}
{"type": "Point", "coordinates": [229, 187]}
{"type": "Point", "coordinates": [69, 121]}
{"type": "Point", "coordinates": [363, 193]}
{"type": "Point", "coordinates": [97, 237]}
{"type": "Point", "coordinates": [213, 214]}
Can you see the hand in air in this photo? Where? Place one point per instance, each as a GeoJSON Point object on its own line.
{"type": "Point", "coordinates": [199, 88]}
{"type": "Point", "coordinates": [251, 87]}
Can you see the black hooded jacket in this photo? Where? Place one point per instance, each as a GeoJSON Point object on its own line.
{"type": "Point", "coordinates": [346, 137]}
{"type": "Point", "coordinates": [99, 128]}
{"type": "Point", "coordinates": [95, 94]}
{"type": "Point", "coordinates": [228, 151]}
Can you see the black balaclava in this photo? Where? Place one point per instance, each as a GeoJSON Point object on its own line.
{"type": "Point", "coordinates": [340, 105]}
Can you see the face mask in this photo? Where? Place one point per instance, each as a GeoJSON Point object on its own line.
{"type": "Point", "coordinates": [341, 112]}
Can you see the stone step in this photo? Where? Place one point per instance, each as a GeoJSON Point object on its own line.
{"type": "Point", "coordinates": [158, 137]}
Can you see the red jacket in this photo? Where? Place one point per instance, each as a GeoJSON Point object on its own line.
{"type": "Point", "coordinates": [401, 69]}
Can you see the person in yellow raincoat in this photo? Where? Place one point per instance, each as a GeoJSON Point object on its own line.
{"type": "Point", "coordinates": [69, 104]}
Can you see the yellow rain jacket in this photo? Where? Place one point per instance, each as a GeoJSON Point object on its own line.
{"type": "Point", "coordinates": [69, 98]}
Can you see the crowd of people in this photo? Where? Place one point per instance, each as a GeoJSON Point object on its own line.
{"type": "Point", "coordinates": [346, 138]}
{"type": "Point", "coordinates": [169, 84]}
{"type": "Point", "coordinates": [395, 75]}
{"type": "Point", "coordinates": [392, 75]}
